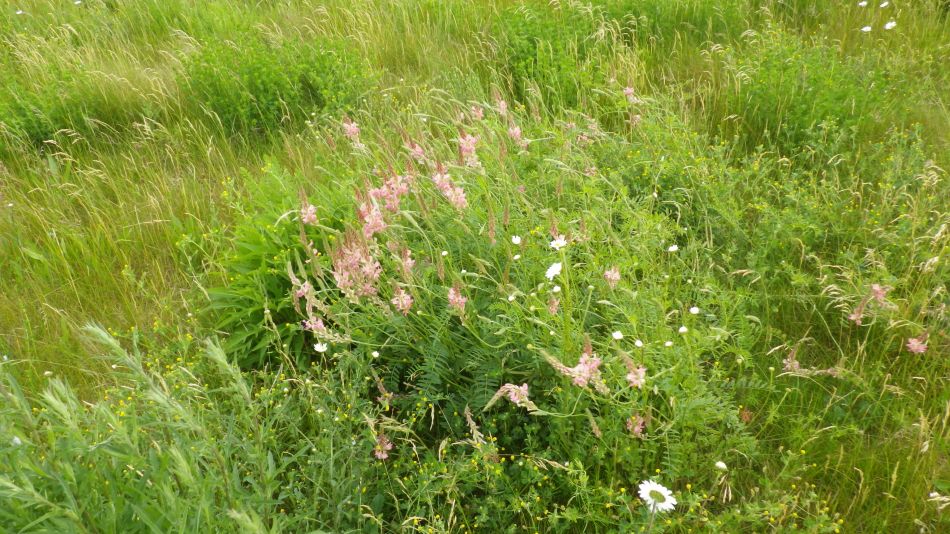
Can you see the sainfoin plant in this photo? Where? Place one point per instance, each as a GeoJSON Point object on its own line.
{"type": "Point", "coordinates": [495, 362]}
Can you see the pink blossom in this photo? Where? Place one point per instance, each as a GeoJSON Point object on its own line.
{"type": "Point", "coordinates": [879, 292]}
{"type": "Point", "coordinates": [637, 377]}
{"type": "Point", "coordinates": [303, 289]}
{"type": "Point", "coordinates": [372, 219]}
{"type": "Point", "coordinates": [553, 305]}
{"type": "Point", "coordinates": [502, 107]}
{"type": "Point", "coordinates": [383, 446]}
{"type": "Point", "coordinates": [456, 299]}
{"type": "Point", "coordinates": [631, 96]}
{"type": "Point", "coordinates": [858, 312]}
{"type": "Point", "coordinates": [917, 345]}
{"type": "Point", "coordinates": [402, 301]}
{"type": "Point", "coordinates": [518, 395]}
{"type": "Point", "coordinates": [612, 276]}
{"type": "Point", "coordinates": [355, 270]}
{"type": "Point", "coordinates": [515, 133]}
{"type": "Point", "coordinates": [416, 152]}
{"type": "Point", "coordinates": [308, 214]}
{"type": "Point", "coordinates": [478, 113]}
{"type": "Point", "coordinates": [453, 193]}
{"type": "Point", "coordinates": [352, 131]}
{"type": "Point", "coordinates": [790, 364]}
{"type": "Point", "coordinates": [636, 425]}
{"type": "Point", "coordinates": [314, 324]}
{"type": "Point", "coordinates": [391, 191]}
{"type": "Point", "coordinates": [467, 143]}
{"type": "Point", "coordinates": [406, 262]}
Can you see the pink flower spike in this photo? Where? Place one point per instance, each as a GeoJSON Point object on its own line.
{"type": "Point", "coordinates": [383, 446]}
{"type": "Point", "coordinates": [308, 214]}
{"type": "Point", "coordinates": [879, 292]}
{"type": "Point", "coordinates": [612, 276]}
{"type": "Point", "coordinates": [637, 377]}
{"type": "Point", "coordinates": [917, 345]}
{"type": "Point", "coordinates": [402, 301]}
{"type": "Point", "coordinates": [636, 425]}
{"type": "Point", "coordinates": [502, 108]}
{"type": "Point", "coordinates": [456, 299]}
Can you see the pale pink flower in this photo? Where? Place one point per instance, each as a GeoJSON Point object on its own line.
{"type": "Point", "coordinates": [416, 151]}
{"type": "Point", "coordinates": [478, 113]}
{"type": "Point", "coordinates": [587, 370]}
{"type": "Point", "coordinates": [406, 262]}
{"type": "Point", "coordinates": [352, 131]}
{"type": "Point", "coordinates": [917, 345]}
{"type": "Point", "coordinates": [467, 143]}
{"type": "Point", "coordinates": [553, 305]}
{"type": "Point", "coordinates": [456, 299]}
{"type": "Point", "coordinates": [391, 191]}
{"type": "Point", "coordinates": [453, 193]}
{"type": "Point", "coordinates": [314, 324]}
{"type": "Point", "coordinates": [308, 214]}
{"type": "Point", "coordinates": [515, 133]}
{"type": "Point", "coordinates": [303, 289]}
{"type": "Point", "coordinates": [383, 446]}
{"type": "Point", "coordinates": [612, 276]}
{"type": "Point", "coordinates": [879, 292]}
{"type": "Point", "coordinates": [502, 108]}
{"type": "Point", "coordinates": [372, 219]}
{"type": "Point", "coordinates": [637, 377]}
{"type": "Point", "coordinates": [402, 301]}
{"type": "Point", "coordinates": [518, 395]}
{"type": "Point", "coordinates": [858, 312]}
{"type": "Point", "coordinates": [355, 270]}
{"type": "Point", "coordinates": [636, 425]}
{"type": "Point", "coordinates": [790, 364]}
{"type": "Point", "coordinates": [631, 96]}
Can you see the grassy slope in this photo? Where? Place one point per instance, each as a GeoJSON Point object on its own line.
{"type": "Point", "coordinates": [116, 220]}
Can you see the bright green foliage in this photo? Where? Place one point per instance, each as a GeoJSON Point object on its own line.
{"type": "Point", "coordinates": [155, 158]}
{"type": "Point", "coordinates": [254, 85]}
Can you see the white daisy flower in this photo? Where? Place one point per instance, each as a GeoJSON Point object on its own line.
{"type": "Point", "coordinates": [694, 310]}
{"type": "Point", "coordinates": [553, 270]}
{"type": "Point", "coordinates": [19, 12]}
{"type": "Point", "coordinates": [720, 465]}
{"type": "Point", "coordinates": [890, 25]}
{"type": "Point", "coordinates": [559, 242]}
{"type": "Point", "coordinates": [656, 497]}
{"type": "Point", "coordinates": [863, 3]}
{"type": "Point", "coordinates": [375, 354]}
{"type": "Point", "coordinates": [320, 347]}
{"type": "Point", "coordinates": [516, 239]}
{"type": "Point", "coordinates": [511, 298]}
{"type": "Point", "coordinates": [668, 344]}
{"type": "Point", "coordinates": [866, 29]}
{"type": "Point", "coordinates": [673, 248]}
{"type": "Point", "coordinates": [16, 441]}
{"type": "Point", "coordinates": [516, 257]}
{"type": "Point", "coordinates": [556, 289]}
{"type": "Point", "coordinates": [445, 253]}
{"type": "Point", "coordinates": [683, 330]}
{"type": "Point", "coordinates": [638, 343]}
{"type": "Point", "coordinates": [885, 4]}
{"type": "Point", "coordinates": [618, 335]}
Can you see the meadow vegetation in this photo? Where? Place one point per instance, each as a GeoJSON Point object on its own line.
{"type": "Point", "coordinates": [497, 266]}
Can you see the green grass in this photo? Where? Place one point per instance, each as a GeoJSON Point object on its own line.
{"type": "Point", "coordinates": [154, 160]}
